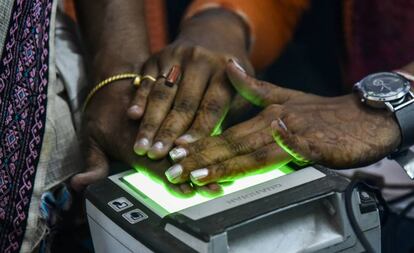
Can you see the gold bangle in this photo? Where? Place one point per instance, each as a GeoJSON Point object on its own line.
{"type": "Point", "coordinates": [108, 81]}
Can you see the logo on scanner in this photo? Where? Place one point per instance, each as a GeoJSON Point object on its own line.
{"type": "Point", "coordinates": [135, 216]}
{"type": "Point", "coordinates": [254, 194]}
{"type": "Point", "coordinates": [120, 204]}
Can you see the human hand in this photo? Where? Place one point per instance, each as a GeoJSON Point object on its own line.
{"type": "Point", "coordinates": [196, 104]}
{"type": "Point", "coordinates": [191, 108]}
{"type": "Point", "coordinates": [337, 132]}
{"type": "Point", "coordinates": [107, 134]}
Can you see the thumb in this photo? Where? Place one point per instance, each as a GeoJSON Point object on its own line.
{"type": "Point", "coordinates": [299, 148]}
{"type": "Point", "coordinates": [97, 168]}
{"type": "Point", "coordinates": [258, 92]}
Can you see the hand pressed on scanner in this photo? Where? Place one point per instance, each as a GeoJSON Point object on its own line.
{"type": "Point", "coordinates": [186, 93]}
{"type": "Point", "coordinates": [337, 132]}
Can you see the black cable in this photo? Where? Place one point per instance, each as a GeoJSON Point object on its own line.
{"type": "Point", "coordinates": [352, 219]}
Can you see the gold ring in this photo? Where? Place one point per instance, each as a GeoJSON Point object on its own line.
{"type": "Point", "coordinates": [137, 81]}
{"type": "Point", "coordinates": [148, 77]}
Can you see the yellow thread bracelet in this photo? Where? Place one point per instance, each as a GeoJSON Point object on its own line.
{"type": "Point", "coordinates": [136, 82]}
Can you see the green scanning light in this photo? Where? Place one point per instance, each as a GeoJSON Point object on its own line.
{"type": "Point", "coordinates": [156, 195]}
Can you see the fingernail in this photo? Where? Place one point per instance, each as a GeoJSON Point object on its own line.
{"type": "Point", "coordinates": [195, 175]}
{"type": "Point", "coordinates": [177, 154]}
{"type": "Point", "coordinates": [187, 138]}
{"type": "Point", "coordinates": [238, 66]}
{"type": "Point", "coordinates": [158, 145]}
{"type": "Point", "coordinates": [281, 124]}
{"type": "Point", "coordinates": [135, 110]}
{"type": "Point", "coordinates": [156, 150]}
{"type": "Point", "coordinates": [141, 146]}
{"type": "Point", "coordinates": [174, 172]}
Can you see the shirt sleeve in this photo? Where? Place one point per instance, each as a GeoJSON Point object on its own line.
{"type": "Point", "coordinates": [271, 23]}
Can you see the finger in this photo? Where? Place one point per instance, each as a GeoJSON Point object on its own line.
{"type": "Point", "coordinates": [297, 146]}
{"type": "Point", "coordinates": [212, 111]}
{"type": "Point", "coordinates": [222, 152]}
{"type": "Point", "coordinates": [257, 92]}
{"type": "Point", "coordinates": [210, 190]}
{"type": "Point", "coordinates": [138, 104]}
{"type": "Point", "coordinates": [189, 94]}
{"type": "Point", "coordinates": [184, 190]}
{"type": "Point", "coordinates": [159, 103]}
{"type": "Point", "coordinates": [97, 169]}
{"type": "Point", "coordinates": [239, 166]}
{"type": "Point", "coordinates": [232, 134]}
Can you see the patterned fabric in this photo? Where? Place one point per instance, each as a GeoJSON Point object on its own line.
{"type": "Point", "coordinates": [380, 36]}
{"type": "Point", "coordinates": [23, 93]}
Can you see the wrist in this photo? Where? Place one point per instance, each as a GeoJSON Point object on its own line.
{"type": "Point", "coordinates": [218, 30]}
{"type": "Point", "coordinates": [106, 64]}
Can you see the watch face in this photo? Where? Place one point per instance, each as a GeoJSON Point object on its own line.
{"type": "Point", "coordinates": [384, 86]}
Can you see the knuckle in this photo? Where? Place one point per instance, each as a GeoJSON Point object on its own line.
{"type": "Point", "coordinates": [166, 134]}
{"type": "Point", "coordinates": [274, 108]}
{"type": "Point", "coordinates": [198, 52]}
{"type": "Point", "coordinates": [260, 156]}
{"type": "Point", "coordinates": [184, 106]}
{"type": "Point", "coordinates": [238, 147]}
{"type": "Point", "coordinates": [147, 127]}
{"type": "Point", "coordinates": [158, 94]}
{"type": "Point", "coordinates": [196, 147]}
{"type": "Point", "coordinates": [212, 107]}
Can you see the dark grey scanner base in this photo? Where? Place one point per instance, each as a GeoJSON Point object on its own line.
{"type": "Point", "coordinates": [299, 212]}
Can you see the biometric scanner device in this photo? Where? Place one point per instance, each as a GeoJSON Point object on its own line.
{"type": "Point", "coordinates": [282, 210]}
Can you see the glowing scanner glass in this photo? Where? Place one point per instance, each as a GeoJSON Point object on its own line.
{"type": "Point", "coordinates": [160, 199]}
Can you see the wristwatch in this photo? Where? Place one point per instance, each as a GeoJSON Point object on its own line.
{"type": "Point", "coordinates": [392, 91]}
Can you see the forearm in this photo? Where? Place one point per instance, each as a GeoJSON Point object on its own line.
{"type": "Point", "coordinates": [114, 34]}
{"type": "Point", "coordinates": [218, 30]}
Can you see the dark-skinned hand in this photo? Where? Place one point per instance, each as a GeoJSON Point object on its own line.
{"type": "Point", "coordinates": [338, 132]}
{"type": "Point", "coordinates": [107, 134]}
{"type": "Point", "coordinates": [196, 104]}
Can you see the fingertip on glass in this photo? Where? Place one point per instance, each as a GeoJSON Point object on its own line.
{"type": "Point", "coordinates": [196, 175]}
{"type": "Point", "coordinates": [186, 189]}
{"type": "Point", "coordinates": [174, 172]}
